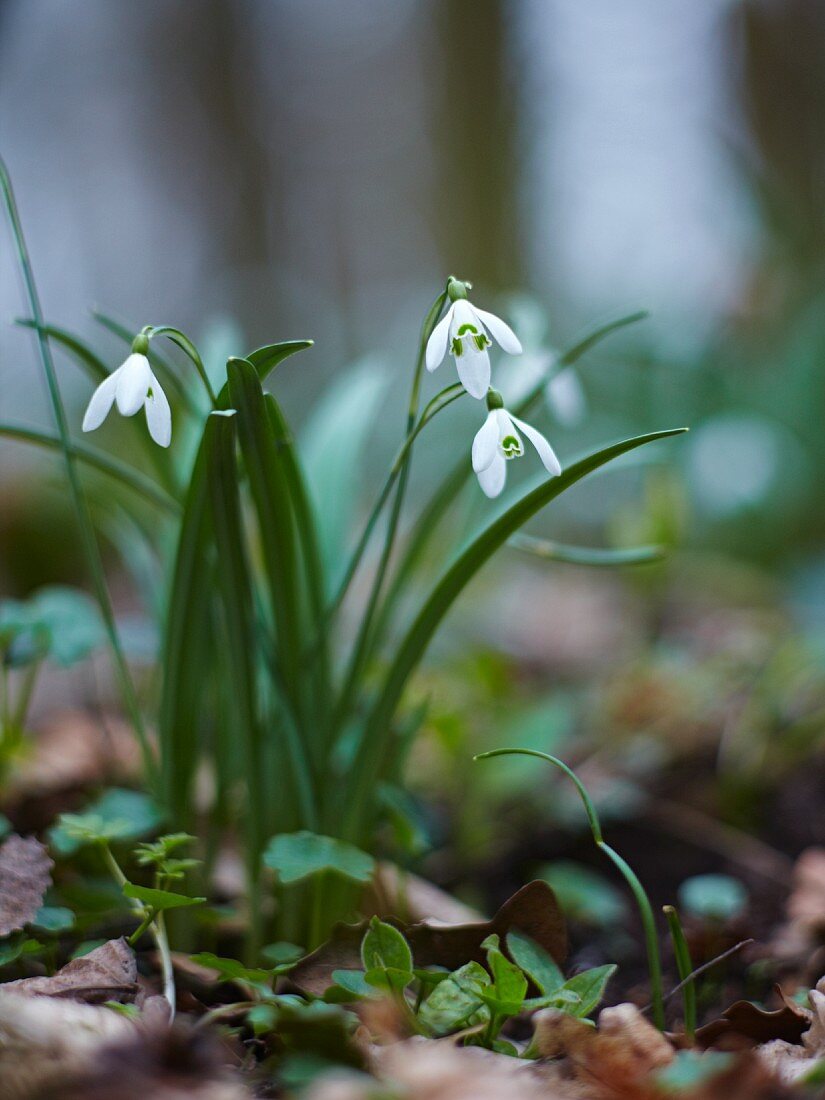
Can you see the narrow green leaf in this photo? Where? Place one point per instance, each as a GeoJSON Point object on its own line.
{"type": "Point", "coordinates": [596, 334]}
{"type": "Point", "coordinates": [126, 475]}
{"type": "Point", "coordinates": [236, 591]}
{"type": "Point", "coordinates": [267, 358]}
{"type": "Point", "coordinates": [585, 555]}
{"type": "Point", "coordinates": [159, 899]}
{"type": "Point", "coordinates": [274, 512]}
{"type": "Point", "coordinates": [296, 856]}
{"type": "Point", "coordinates": [88, 359]}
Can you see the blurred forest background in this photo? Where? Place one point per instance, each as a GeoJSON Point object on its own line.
{"type": "Point", "coordinates": [256, 170]}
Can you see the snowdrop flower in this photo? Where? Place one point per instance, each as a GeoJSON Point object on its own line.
{"type": "Point", "coordinates": [465, 328]}
{"type": "Point", "coordinates": [498, 440]}
{"type": "Point", "coordinates": [133, 386]}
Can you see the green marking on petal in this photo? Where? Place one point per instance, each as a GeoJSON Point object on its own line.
{"type": "Point", "coordinates": [482, 341]}
{"type": "Point", "coordinates": [467, 328]}
{"type": "Point", "coordinates": [457, 347]}
{"type": "Point", "coordinates": [511, 447]}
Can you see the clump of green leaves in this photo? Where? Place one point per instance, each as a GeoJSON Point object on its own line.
{"type": "Point", "coordinates": [476, 998]}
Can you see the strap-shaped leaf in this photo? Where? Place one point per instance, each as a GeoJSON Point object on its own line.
{"type": "Point", "coordinates": [90, 456]}
{"type": "Point", "coordinates": [88, 359]}
{"type": "Point", "coordinates": [267, 358]}
{"type": "Point", "coordinates": [372, 751]}
{"type": "Point", "coordinates": [237, 600]}
{"type": "Point", "coordinates": [586, 555]}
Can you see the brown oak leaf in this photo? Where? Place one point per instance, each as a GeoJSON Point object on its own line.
{"type": "Point", "coordinates": [109, 973]}
{"type": "Point", "coordinates": [25, 876]}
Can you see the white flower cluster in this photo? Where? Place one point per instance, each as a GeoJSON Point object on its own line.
{"type": "Point", "coordinates": [466, 330]}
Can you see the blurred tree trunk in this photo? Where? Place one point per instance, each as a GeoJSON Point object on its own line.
{"type": "Point", "coordinates": [476, 200]}
{"type": "Point", "coordinates": [783, 95]}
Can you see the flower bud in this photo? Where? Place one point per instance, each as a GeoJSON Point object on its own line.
{"type": "Point", "coordinates": [457, 289]}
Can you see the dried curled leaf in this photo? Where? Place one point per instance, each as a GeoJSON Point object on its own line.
{"type": "Point", "coordinates": [616, 1060]}
{"type": "Point", "coordinates": [533, 910]}
{"type": "Point", "coordinates": [109, 973]}
{"type": "Point", "coordinates": [43, 1038]}
{"type": "Point", "coordinates": [25, 876]}
{"type": "Point", "coordinates": [423, 1070]}
{"type": "Point", "coordinates": [745, 1024]}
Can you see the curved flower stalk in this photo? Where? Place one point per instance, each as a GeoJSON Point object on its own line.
{"type": "Point", "coordinates": [467, 330]}
{"type": "Point", "coordinates": [498, 440]}
{"type": "Point", "coordinates": [131, 387]}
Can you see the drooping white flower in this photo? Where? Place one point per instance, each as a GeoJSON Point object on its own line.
{"type": "Point", "coordinates": [498, 440]}
{"type": "Point", "coordinates": [131, 387]}
{"type": "Point", "coordinates": [466, 329]}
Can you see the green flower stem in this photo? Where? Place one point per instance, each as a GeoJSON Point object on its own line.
{"type": "Point", "coordinates": [90, 546]}
{"type": "Point", "coordinates": [132, 479]}
{"type": "Point", "coordinates": [439, 402]}
{"type": "Point", "coordinates": [189, 349]}
{"type": "Point", "coordinates": [684, 965]}
{"type": "Point", "coordinates": [360, 648]}
{"type": "Point", "coordinates": [630, 877]}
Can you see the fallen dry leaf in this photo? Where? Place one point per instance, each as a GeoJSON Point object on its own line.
{"type": "Point", "coordinates": [614, 1060]}
{"type": "Point", "coordinates": [745, 1024]}
{"type": "Point", "coordinates": [109, 973]}
{"type": "Point", "coordinates": [422, 1069]}
{"type": "Point", "coordinates": [44, 1038]}
{"type": "Point", "coordinates": [173, 1064]}
{"type": "Point", "coordinates": [805, 924]}
{"type": "Point", "coordinates": [25, 876]}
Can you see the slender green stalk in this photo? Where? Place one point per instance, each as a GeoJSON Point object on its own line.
{"type": "Point", "coordinates": [157, 925]}
{"type": "Point", "coordinates": [684, 965]}
{"type": "Point", "coordinates": [360, 648]}
{"type": "Point", "coordinates": [439, 402]}
{"type": "Point", "coordinates": [630, 877]}
{"type": "Point", "coordinates": [90, 546]}
{"type": "Point", "coordinates": [189, 349]}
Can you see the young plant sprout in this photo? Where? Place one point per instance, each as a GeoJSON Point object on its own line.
{"type": "Point", "coordinates": [132, 387]}
{"type": "Point", "coordinates": [498, 440]}
{"type": "Point", "coordinates": [464, 327]}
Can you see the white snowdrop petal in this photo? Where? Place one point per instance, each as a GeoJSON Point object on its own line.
{"type": "Point", "coordinates": [485, 444]}
{"type": "Point", "coordinates": [101, 402]}
{"type": "Point", "coordinates": [437, 343]}
{"type": "Point", "coordinates": [158, 415]}
{"type": "Point", "coordinates": [501, 332]}
{"type": "Point", "coordinates": [474, 370]}
{"type": "Point", "coordinates": [135, 378]}
{"type": "Point", "coordinates": [545, 451]}
{"type": "Point", "coordinates": [493, 478]}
